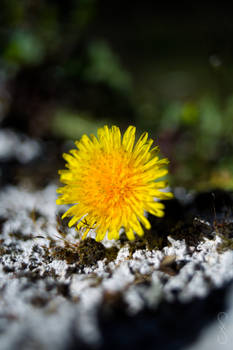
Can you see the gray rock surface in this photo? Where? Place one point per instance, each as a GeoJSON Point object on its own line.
{"type": "Point", "coordinates": [51, 299]}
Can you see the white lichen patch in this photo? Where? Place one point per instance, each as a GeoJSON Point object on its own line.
{"type": "Point", "coordinates": [19, 147]}
{"type": "Point", "coordinates": [44, 298]}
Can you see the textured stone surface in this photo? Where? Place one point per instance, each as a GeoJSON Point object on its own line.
{"type": "Point", "coordinates": [51, 298]}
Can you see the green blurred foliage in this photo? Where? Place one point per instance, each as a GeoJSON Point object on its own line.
{"type": "Point", "coordinates": [24, 48]}
{"type": "Point", "coordinates": [205, 141]}
{"type": "Point", "coordinates": [73, 125]}
{"type": "Point", "coordinates": [76, 65]}
{"type": "Point", "coordinates": [104, 67]}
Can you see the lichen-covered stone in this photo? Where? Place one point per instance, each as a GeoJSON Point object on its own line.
{"type": "Point", "coordinates": [59, 292]}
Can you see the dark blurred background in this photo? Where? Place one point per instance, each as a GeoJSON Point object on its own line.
{"type": "Point", "coordinates": [69, 67]}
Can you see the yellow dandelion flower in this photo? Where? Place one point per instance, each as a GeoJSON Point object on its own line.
{"type": "Point", "coordinates": [111, 182]}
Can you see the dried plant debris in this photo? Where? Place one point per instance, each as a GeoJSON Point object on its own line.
{"type": "Point", "coordinates": [98, 290]}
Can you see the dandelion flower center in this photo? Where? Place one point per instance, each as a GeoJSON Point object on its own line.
{"type": "Point", "coordinates": [111, 181]}
{"type": "Point", "coordinates": [112, 184]}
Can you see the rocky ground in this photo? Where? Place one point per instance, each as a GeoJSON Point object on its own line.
{"type": "Point", "coordinates": [171, 290]}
